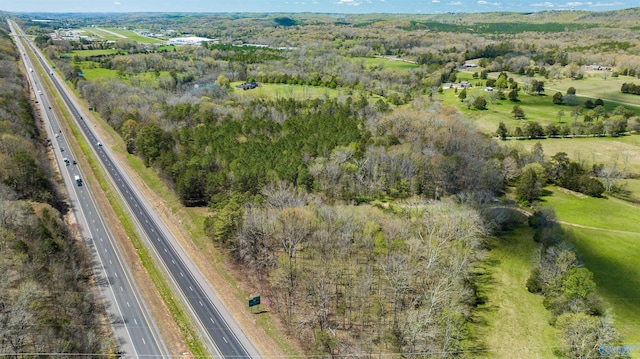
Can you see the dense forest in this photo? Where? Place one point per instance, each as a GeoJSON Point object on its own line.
{"type": "Point", "coordinates": [47, 303]}
{"type": "Point", "coordinates": [364, 214]}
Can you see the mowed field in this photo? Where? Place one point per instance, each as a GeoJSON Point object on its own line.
{"type": "Point", "coordinates": [538, 108]}
{"type": "Point", "coordinates": [515, 323]}
{"type": "Point", "coordinates": [114, 34]}
{"type": "Point", "coordinates": [606, 233]}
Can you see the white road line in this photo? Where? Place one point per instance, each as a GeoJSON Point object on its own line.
{"type": "Point", "coordinates": [212, 321]}
{"type": "Point", "coordinates": [128, 305]}
{"type": "Point", "coordinates": [225, 340]}
{"type": "Point", "coordinates": [202, 305]}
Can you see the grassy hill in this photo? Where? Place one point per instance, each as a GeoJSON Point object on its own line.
{"type": "Point", "coordinates": [606, 233]}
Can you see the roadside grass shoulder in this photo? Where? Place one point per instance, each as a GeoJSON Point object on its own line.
{"type": "Point", "coordinates": [516, 324]}
{"type": "Point", "coordinates": [192, 219]}
{"type": "Point", "coordinates": [165, 290]}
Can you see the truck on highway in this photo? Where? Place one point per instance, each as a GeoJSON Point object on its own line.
{"type": "Point", "coordinates": [78, 180]}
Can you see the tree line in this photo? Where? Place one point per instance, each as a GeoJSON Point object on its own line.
{"type": "Point", "coordinates": [569, 291]}
{"type": "Point", "coordinates": [630, 88]}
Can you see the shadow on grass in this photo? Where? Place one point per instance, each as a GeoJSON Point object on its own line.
{"type": "Point", "coordinates": [616, 278]}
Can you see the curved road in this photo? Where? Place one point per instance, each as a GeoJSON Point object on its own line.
{"type": "Point", "coordinates": [135, 332]}
{"type": "Point", "coordinates": [227, 338]}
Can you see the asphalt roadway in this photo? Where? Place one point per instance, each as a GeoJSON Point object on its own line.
{"type": "Point", "coordinates": [227, 338]}
{"type": "Point", "coordinates": [136, 334]}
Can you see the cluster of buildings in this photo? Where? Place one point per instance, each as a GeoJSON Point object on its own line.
{"type": "Point", "coordinates": [190, 40]}
{"type": "Point", "coordinates": [461, 85]}
{"type": "Point", "coordinates": [70, 35]}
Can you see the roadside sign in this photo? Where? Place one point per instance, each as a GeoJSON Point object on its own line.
{"type": "Point", "coordinates": [254, 301]}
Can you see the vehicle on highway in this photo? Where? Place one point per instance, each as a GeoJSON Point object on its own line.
{"type": "Point", "coordinates": [61, 149]}
{"type": "Point", "coordinates": [74, 162]}
{"type": "Point", "coordinates": [99, 144]}
{"type": "Point", "coordinates": [78, 180]}
{"type": "Point", "coordinates": [66, 161]}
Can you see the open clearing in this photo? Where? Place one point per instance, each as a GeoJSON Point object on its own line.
{"type": "Point", "coordinates": [517, 324]}
{"type": "Point", "coordinates": [611, 256]}
{"type": "Point", "coordinates": [590, 150]}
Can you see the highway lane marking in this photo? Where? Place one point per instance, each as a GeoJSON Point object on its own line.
{"type": "Point", "coordinates": [116, 274]}
{"type": "Point", "coordinates": [202, 305]}
{"type": "Point", "coordinates": [121, 289]}
{"type": "Point", "coordinates": [165, 250]}
{"type": "Point", "coordinates": [190, 287]}
{"type": "Point", "coordinates": [110, 262]}
{"type": "Point", "coordinates": [135, 321]}
{"type": "Point", "coordinates": [181, 274]}
{"type": "Point", "coordinates": [212, 321]}
{"type": "Point", "coordinates": [128, 305]}
{"type": "Point", "coordinates": [172, 261]}
{"type": "Point", "coordinates": [143, 342]}
{"type": "Point", "coordinates": [225, 340]}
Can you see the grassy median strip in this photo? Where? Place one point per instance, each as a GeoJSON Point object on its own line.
{"type": "Point", "coordinates": [177, 309]}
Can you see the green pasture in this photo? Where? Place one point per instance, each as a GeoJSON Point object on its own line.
{"type": "Point", "coordinates": [92, 74]}
{"type": "Point", "coordinates": [590, 150]}
{"type": "Point", "coordinates": [89, 53]}
{"type": "Point", "coordinates": [514, 323]}
{"type": "Point", "coordinates": [536, 108]}
{"type": "Point", "coordinates": [606, 213]}
{"type": "Point", "coordinates": [611, 251]}
{"type": "Point", "coordinates": [370, 62]}
{"type": "Point", "coordinates": [100, 33]}
{"type": "Point", "coordinates": [301, 92]}
{"type": "Point", "coordinates": [132, 35]}
{"type": "Point", "coordinates": [593, 85]}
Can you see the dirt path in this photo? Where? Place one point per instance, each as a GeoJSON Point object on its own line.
{"type": "Point", "coordinates": [529, 214]}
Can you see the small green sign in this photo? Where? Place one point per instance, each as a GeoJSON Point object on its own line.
{"type": "Point", "coordinates": [254, 301]}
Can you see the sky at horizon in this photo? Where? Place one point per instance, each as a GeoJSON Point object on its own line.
{"type": "Point", "coordinates": [314, 6]}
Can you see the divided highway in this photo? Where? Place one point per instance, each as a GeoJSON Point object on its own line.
{"type": "Point", "coordinates": [227, 339]}
{"type": "Point", "coordinates": [135, 332]}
